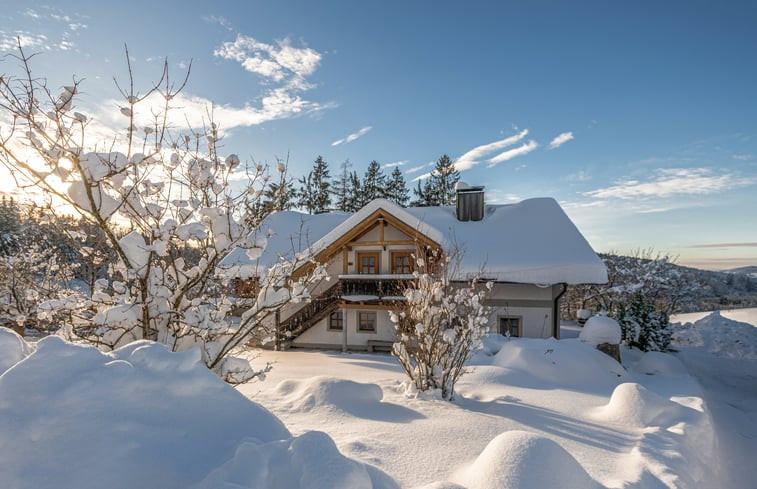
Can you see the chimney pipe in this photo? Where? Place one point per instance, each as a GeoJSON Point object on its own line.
{"type": "Point", "coordinates": [469, 202]}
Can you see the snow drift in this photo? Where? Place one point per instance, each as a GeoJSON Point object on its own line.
{"type": "Point", "coordinates": [521, 459]}
{"type": "Point", "coordinates": [142, 416]}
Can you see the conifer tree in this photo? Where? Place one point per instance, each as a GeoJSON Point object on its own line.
{"type": "Point", "coordinates": [396, 188]}
{"type": "Point", "coordinates": [315, 188]}
{"type": "Point", "coordinates": [342, 187]}
{"type": "Point", "coordinates": [374, 182]}
{"type": "Point", "coordinates": [424, 192]}
{"type": "Point", "coordinates": [443, 180]}
{"type": "Point", "coordinates": [439, 187]}
{"type": "Point", "coordinates": [354, 200]}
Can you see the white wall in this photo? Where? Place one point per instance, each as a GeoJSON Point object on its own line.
{"type": "Point", "coordinates": [321, 335]}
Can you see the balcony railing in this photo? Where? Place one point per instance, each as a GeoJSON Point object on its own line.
{"type": "Point", "coordinates": [373, 287]}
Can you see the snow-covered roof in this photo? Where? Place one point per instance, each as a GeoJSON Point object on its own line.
{"type": "Point", "coordinates": [533, 241]}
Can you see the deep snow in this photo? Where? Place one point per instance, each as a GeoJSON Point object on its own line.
{"type": "Point", "coordinates": [530, 413]}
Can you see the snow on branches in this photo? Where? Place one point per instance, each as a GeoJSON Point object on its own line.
{"type": "Point", "coordinates": [172, 190]}
{"type": "Point", "coordinates": [439, 325]}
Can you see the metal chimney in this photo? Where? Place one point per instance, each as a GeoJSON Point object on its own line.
{"type": "Point", "coordinates": [469, 202]}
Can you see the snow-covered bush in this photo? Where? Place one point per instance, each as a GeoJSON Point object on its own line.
{"type": "Point", "coordinates": [172, 190]}
{"type": "Point", "coordinates": [642, 325]}
{"type": "Point", "coordinates": [30, 276]}
{"type": "Point", "coordinates": [438, 326]}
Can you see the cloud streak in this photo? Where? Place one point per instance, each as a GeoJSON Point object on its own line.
{"type": "Point", "coordinates": [348, 139]}
{"type": "Point", "coordinates": [471, 158]}
{"type": "Point", "coordinates": [561, 139]}
{"type": "Point", "coordinates": [725, 245]}
{"type": "Point", "coordinates": [672, 182]}
{"type": "Point", "coordinates": [395, 163]}
{"type": "Point", "coordinates": [513, 153]}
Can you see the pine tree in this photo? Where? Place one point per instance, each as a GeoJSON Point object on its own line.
{"type": "Point", "coordinates": [396, 188]}
{"type": "Point", "coordinates": [443, 179]}
{"type": "Point", "coordinates": [322, 183]}
{"type": "Point", "coordinates": [306, 193]}
{"type": "Point", "coordinates": [342, 186]}
{"type": "Point", "coordinates": [374, 182]}
{"type": "Point", "coordinates": [314, 194]}
{"type": "Point", "coordinates": [354, 199]}
{"type": "Point", "coordinates": [9, 225]}
{"type": "Point", "coordinates": [439, 187]}
{"type": "Point", "coordinates": [424, 192]}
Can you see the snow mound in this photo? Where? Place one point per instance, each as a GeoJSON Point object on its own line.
{"type": "Point", "coordinates": [330, 393]}
{"type": "Point", "coordinates": [600, 329]}
{"type": "Point", "coordinates": [659, 363]}
{"type": "Point", "coordinates": [718, 335]}
{"type": "Point", "coordinates": [517, 459]}
{"type": "Point", "coordinates": [13, 349]}
{"type": "Point", "coordinates": [143, 416]}
{"type": "Point", "coordinates": [560, 363]}
{"type": "Point", "coordinates": [632, 404]}
{"type": "Point", "coordinates": [310, 461]}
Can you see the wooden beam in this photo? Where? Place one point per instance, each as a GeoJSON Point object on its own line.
{"type": "Point", "coordinates": [403, 242]}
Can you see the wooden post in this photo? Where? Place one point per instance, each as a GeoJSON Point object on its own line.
{"type": "Point", "coordinates": [277, 344]}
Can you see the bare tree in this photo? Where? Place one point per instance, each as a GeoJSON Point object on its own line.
{"type": "Point", "coordinates": [172, 189]}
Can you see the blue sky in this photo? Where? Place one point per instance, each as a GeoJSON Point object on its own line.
{"type": "Point", "coordinates": [640, 118]}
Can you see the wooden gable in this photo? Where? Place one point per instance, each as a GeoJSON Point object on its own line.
{"type": "Point", "coordinates": [363, 234]}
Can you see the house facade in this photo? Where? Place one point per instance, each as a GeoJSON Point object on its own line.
{"type": "Point", "coordinates": [531, 251]}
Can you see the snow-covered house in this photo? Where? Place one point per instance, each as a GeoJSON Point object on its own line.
{"type": "Point", "coordinates": [531, 250]}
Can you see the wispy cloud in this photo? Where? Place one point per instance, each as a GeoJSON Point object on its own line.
{"type": "Point", "coordinates": [395, 163]}
{"type": "Point", "coordinates": [220, 20]}
{"type": "Point", "coordinates": [725, 245]}
{"type": "Point", "coordinates": [671, 182]}
{"type": "Point", "coordinates": [58, 31]}
{"type": "Point", "coordinates": [191, 111]}
{"type": "Point", "coordinates": [419, 167]}
{"type": "Point", "coordinates": [742, 157]}
{"type": "Point", "coordinates": [353, 136]}
{"type": "Point", "coordinates": [512, 153]}
{"type": "Point", "coordinates": [9, 41]}
{"type": "Point", "coordinates": [561, 139]}
{"type": "Point", "coordinates": [471, 157]}
{"type": "Point", "coordinates": [280, 62]}
{"type": "Point", "coordinates": [579, 176]}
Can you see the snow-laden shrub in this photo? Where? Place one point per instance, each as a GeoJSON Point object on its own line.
{"type": "Point", "coordinates": [438, 327]}
{"type": "Point", "coordinates": [643, 326]}
{"type": "Point", "coordinates": [172, 190]}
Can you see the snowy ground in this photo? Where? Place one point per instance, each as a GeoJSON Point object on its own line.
{"type": "Point", "coordinates": [531, 413]}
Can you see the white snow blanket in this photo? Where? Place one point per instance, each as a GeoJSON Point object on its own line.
{"type": "Point", "coordinates": [142, 416]}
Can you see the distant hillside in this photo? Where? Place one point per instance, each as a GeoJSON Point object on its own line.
{"type": "Point", "coordinates": [718, 290]}
{"type": "Point", "coordinates": [751, 271]}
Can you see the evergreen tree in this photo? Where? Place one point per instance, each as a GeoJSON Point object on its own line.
{"type": "Point", "coordinates": [342, 187]}
{"type": "Point", "coordinates": [279, 196]}
{"type": "Point", "coordinates": [374, 182]}
{"type": "Point", "coordinates": [306, 193]}
{"type": "Point", "coordinates": [9, 225]}
{"type": "Point", "coordinates": [444, 177]}
{"type": "Point", "coordinates": [396, 188]}
{"type": "Point", "coordinates": [424, 192]}
{"type": "Point", "coordinates": [439, 187]}
{"type": "Point", "coordinates": [354, 200]}
{"type": "Point", "coordinates": [315, 189]}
